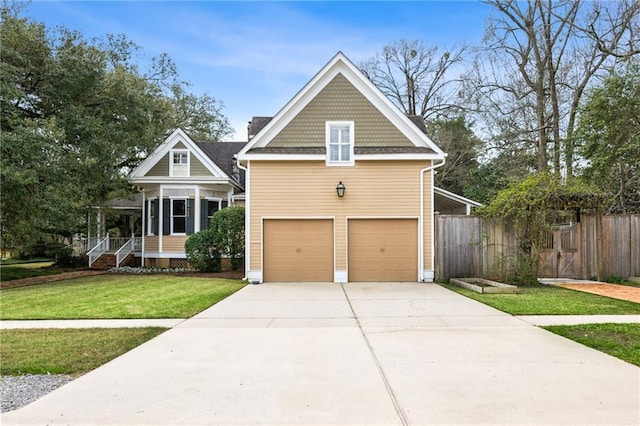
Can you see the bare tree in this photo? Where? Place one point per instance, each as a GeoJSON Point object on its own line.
{"type": "Point", "coordinates": [418, 79]}
{"type": "Point", "coordinates": [538, 59]}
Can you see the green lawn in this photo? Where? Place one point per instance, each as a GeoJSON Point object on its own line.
{"type": "Point", "coordinates": [26, 270]}
{"type": "Point", "coordinates": [116, 296]}
{"type": "Point", "coordinates": [619, 340]}
{"type": "Point", "coordinates": [66, 351]}
{"type": "Point", "coordinates": [548, 300]}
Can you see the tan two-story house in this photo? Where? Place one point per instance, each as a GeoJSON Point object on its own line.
{"type": "Point", "coordinates": [339, 187]}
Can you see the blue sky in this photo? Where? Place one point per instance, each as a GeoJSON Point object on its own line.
{"type": "Point", "coordinates": [254, 56]}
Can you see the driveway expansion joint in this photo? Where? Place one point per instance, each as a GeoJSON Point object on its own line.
{"type": "Point", "coordinates": [387, 385]}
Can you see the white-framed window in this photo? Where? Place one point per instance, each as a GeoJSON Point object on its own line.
{"type": "Point", "coordinates": [213, 205]}
{"type": "Point", "coordinates": [178, 216]}
{"type": "Point", "coordinates": [339, 139]}
{"type": "Point", "coordinates": [179, 162]}
{"type": "Point", "coordinates": [152, 216]}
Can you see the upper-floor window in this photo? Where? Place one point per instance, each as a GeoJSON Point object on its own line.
{"type": "Point", "coordinates": [179, 162]}
{"type": "Point", "coordinates": [339, 139]}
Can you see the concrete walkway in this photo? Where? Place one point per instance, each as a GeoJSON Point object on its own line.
{"type": "Point", "coordinates": [349, 355]}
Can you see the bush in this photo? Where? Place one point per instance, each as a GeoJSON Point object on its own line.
{"type": "Point", "coordinates": [65, 257]}
{"type": "Point", "coordinates": [227, 226]}
{"type": "Point", "coordinates": [202, 252]}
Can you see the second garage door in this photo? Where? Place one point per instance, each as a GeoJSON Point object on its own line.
{"type": "Point", "coordinates": [383, 250]}
{"type": "Point", "coordinates": [298, 250]}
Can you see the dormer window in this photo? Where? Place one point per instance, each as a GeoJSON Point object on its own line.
{"type": "Point", "coordinates": [179, 162]}
{"type": "Point", "coordinates": [339, 140]}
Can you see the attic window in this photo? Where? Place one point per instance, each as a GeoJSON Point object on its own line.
{"type": "Point", "coordinates": [339, 140]}
{"type": "Point", "coordinates": [179, 162]}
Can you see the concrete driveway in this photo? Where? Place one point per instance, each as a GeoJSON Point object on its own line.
{"type": "Point", "coordinates": [297, 354]}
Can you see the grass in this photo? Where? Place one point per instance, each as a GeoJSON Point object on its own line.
{"type": "Point", "coordinates": [116, 296]}
{"type": "Point", "coordinates": [16, 261]}
{"type": "Point", "coordinates": [548, 300]}
{"type": "Point", "coordinates": [26, 270]}
{"type": "Point", "coordinates": [66, 351]}
{"type": "Point", "coordinates": [619, 340]}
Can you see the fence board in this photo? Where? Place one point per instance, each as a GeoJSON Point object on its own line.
{"type": "Point", "coordinates": [470, 246]}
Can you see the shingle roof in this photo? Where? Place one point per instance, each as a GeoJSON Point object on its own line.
{"type": "Point", "coordinates": [256, 124]}
{"type": "Point", "coordinates": [222, 154]}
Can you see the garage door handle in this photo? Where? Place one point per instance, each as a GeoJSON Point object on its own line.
{"type": "Point", "coordinates": [381, 249]}
{"type": "Point", "coordinates": [298, 250]}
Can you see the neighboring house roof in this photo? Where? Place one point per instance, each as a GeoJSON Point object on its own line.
{"type": "Point", "coordinates": [342, 72]}
{"type": "Point", "coordinates": [133, 202]}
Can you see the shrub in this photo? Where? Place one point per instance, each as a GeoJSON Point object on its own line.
{"type": "Point", "coordinates": [202, 251]}
{"type": "Point", "coordinates": [227, 226]}
{"type": "Point", "coordinates": [65, 257]}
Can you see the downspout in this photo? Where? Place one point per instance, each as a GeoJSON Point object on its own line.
{"type": "Point", "coordinates": [246, 219]}
{"type": "Point", "coordinates": [421, 233]}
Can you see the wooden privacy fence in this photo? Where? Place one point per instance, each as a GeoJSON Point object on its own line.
{"type": "Point", "coordinates": [469, 246]}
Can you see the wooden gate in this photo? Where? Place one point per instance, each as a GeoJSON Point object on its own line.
{"type": "Point", "coordinates": [559, 255]}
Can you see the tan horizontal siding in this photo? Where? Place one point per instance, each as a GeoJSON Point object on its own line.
{"type": "Point", "coordinates": [196, 167]}
{"type": "Point", "coordinates": [339, 100]}
{"type": "Point", "coordinates": [306, 189]}
{"type": "Point", "coordinates": [161, 168]}
{"type": "Point", "coordinates": [173, 244]}
{"type": "Point", "coordinates": [151, 243]}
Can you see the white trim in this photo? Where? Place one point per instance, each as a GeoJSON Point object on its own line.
{"type": "Point", "coordinates": [148, 232]}
{"type": "Point", "coordinates": [254, 277]}
{"type": "Point", "coordinates": [143, 236]}
{"type": "Point", "coordinates": [165, 147]}
{"type": "Point", "coordinates": [165, 255]}
{"type": "Point", "coordinates": [197, 209]}
{"type": "Point", "coordinates": [328, 125]}
{"type": "Point", "coordinates": [428, 275]}
{"type": "Point", "coordinates": [247, 218]}
{"type": "Point", "coordinates": [340, 277]}
{"type": "Point", "coordinates": [171, 215]}
{"type": "Point", "coordinates": [339, 64]}
{"type": "Point", "coordinates": [186, 180]}
{"type": "Point", "coordinates": [456, 197]}
{"type": "Point", "coordinates": [174, 151]}
{"type": "Point", "coordinates": [161, 217]}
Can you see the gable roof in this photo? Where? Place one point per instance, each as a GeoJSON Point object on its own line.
{"type": "Point", "coordinates": [338, 65]}
{"type": "Point", "coordinates": [223, 155]}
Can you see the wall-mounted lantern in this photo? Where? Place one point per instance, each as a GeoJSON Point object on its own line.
{"type": "Point", "coordinates": [340, 189]}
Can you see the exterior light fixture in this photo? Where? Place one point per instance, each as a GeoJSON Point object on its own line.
{"type": "Point", "coordinates": [340, 189]}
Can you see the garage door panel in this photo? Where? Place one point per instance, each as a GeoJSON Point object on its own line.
{"type": "Point", "coordinates": [383, 250]}
{"type": "Point", "coordinates": [298, 250]}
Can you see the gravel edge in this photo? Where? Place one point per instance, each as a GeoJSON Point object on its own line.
{"type": "Point", "coordinates": [18, 391]}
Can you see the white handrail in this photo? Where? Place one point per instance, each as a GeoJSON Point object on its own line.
{"type": "Point", "coordinates": [125, 250]}
{"type": "Point", "coordinates": [98, 250]}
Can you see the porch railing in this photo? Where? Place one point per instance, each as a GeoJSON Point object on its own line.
{"type": "Point", "coordinates": [133, 244]}
{"type": "Point", "coordinates": [98, 250]}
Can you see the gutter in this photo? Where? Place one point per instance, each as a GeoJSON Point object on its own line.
{"type": "Point", "coordinates": [421, 274]}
